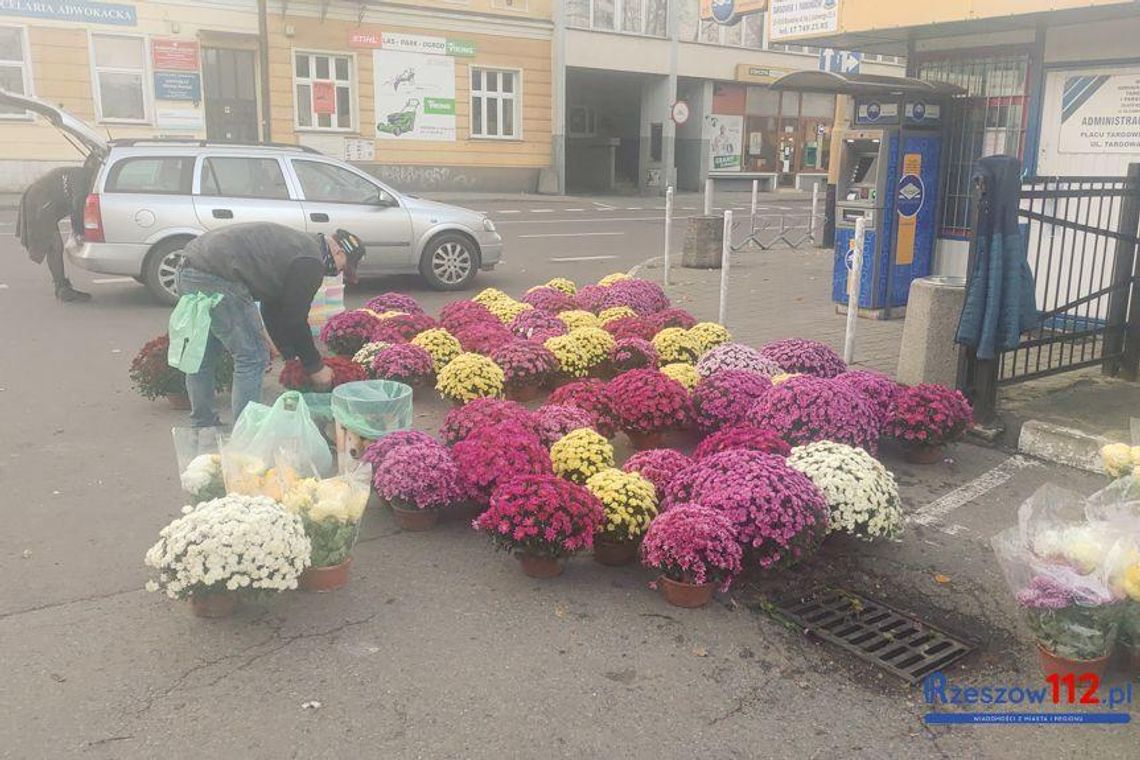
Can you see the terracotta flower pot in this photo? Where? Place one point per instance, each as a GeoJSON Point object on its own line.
{"type": "Point", "coordinates": [688, 595]}
{"type": "Point", "coordinates": [179, 401]}
{"type": "Point", "coordinates": [539, 566]}
{"type": "Point", "coordinates": [524, 393]}
{"type": "Point", "coordinates": [614, 553]}
{"type": "Point", "coordinates": [923, 454]}
{"type": "Point", "coordinates": [645, 441]}
{"type": "Point", "coordinates": [321, 579]}
{"type": "Point", "coordinates": [1051, 663]}
{"type": "Point", "coordinates": [218, 604]}
{"type": "Point", "coordinates": [415, 520]}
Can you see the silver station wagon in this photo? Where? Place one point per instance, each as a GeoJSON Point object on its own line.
{"type": "Point", "coordinates": [151, 197]}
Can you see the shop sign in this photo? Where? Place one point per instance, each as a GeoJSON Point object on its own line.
{"type": "Point", "coordinates": [113, 14]}
{"type": "Point", "coordinates": [324, 97]}
{"type": "Point", "coordinates": [801, 18]}
{"type": "Point", "coordinates": [747, 72]}
{"type": "Point", "coordinates": [725, 134]}
{"type": "Point", "coordinates": [730, 11]}
{"type": "Point", "coordinates": [414, 95]}
{"type": "Point", "coordinates": [411, 43]}
{"type": "Point", "coordinates": [183, 87]}
{"type": "Point", "coordinates": [1100, 114]}
{"type": "Point", "coordinates": [174, 55]}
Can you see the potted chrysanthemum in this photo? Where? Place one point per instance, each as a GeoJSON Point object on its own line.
{"type": "Point", "coordinates": [527, 367]}
{"type": "Point", "coordinates": [153, 377]}
{"type": "Point", "coordinates": [807, 357]}
{"type": "Point", "coordinates": [630, 504]}
{"type": "Point", "coordinates": [418, 481]}
{"type": "Point", "coordinates": [294, 377]}
{"type": "Point", "coordinates": [495, 454]}
{"type": "Point", "coordinates": [470, 376]}
{"type": "Point", "coordinates": [695, 549]}
{"type": "Point", "coordinates": [404, 363]}
{"type": "Point", "coordinates": [861, 493]}
{"type": "Point", "coordinates": [440, 344]}
{"type": "Point", "coordinates": [580, 454]}
{"type": "Point", "coordinates": [675, 345]}
{"type": "Point", "coordinates": [924, 418]}
{"type": "Point", "coordinates": [648, 405]}
{"type": "Point", "coordinates": [461, 421]}
{"type": "Point", "coordinates": [331, 511]}
{"type": "Point", "coordinates": [347, 332]}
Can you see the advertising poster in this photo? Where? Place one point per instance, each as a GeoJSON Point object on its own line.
{"type": "Point", "coordinates": [726, 141]}
{"type": "Point", "coordinates": [324, 97]}
{"type": "Point", "coordinates": [1101, 114]}
{"type": "Point", "coordinates": [415, 93]}
{"type": "Point", "coordinates": [795, 18]}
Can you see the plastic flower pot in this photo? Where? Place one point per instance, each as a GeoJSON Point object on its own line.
{"type": "Point", "coordinates": [614, 553]}
{"type": "Point", "coordinates": [179, 401]}
{"type": "Point", "coordinates": [923, 454]}
{"type": "Point", "coordinates": [1062, 666]}
{"type": "Point", "coordinates": [415, 520]}
{"type": "Point", "coordinates": [524, 393]}
{"type": "Point", "coordinates": [540, 566]}
{"type": "Point", "coordinates": [320, 579]}
{"type": "Point", "coordinates": [645, 441]}
{"type": "Point", "coordinates": [687, 595]}
{"type": "Point", "coordinates": [216, 604]}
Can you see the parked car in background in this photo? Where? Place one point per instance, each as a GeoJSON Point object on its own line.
{"type": "Point", "coordinates": [151, 197]}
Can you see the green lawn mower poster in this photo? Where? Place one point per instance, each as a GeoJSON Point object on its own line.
{"type": "Point", "coordinates": [415, 95]}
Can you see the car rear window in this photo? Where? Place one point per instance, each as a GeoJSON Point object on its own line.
{"type": "Point", "coordinates": [163, 175]}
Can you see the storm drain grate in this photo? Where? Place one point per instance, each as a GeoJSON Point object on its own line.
{"type": "Point", "coordinates": [900, 644]}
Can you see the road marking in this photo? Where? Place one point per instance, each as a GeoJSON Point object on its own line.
{"type": "Point", "coordinates": [608, 220]}
{"type": "Point", "coordinates": [688, 208]}
{"type": "Point", "coordinates": [603, 206]}
{"type": "Point", "coordinates": [575, 209]}
{"type": "Point", "coordinates": [582, 258]}
{"type": "Point", "coordinates": [3, 286]}
{"type": "Point", "coordinates": [935, 511]}
{"type": "Point", "coordinates": [573, 234]}
{"type": "Point", "coordinates": [634, 208]}
{"type": "Point", "coordinates": [111, 280]}
{"type": "Point", "coordinates": [510, 211]}
{"type": "Point", "coordinates": [542, 211]}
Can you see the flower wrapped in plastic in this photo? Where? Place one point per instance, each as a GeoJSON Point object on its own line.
{"type": "Point", "coordinates": [742, 437]}
{"type": "Point", "coordinates": [591, 396]}
{"type": "Point", "coordinates": [404, 363]}
{"type": "Point", "coordinates": [675, 345]}
{"type": "Point", "coordinates": [382, 447]}
{"type": "Point", "coordinates": [691, 543]}
{"type": "Point", "coordinates": [879, 390]}
{"type": "Point", "coordinates": [440, 344]}
{"type": "Point", "coordinates": [394, 302]}
{"type": "Point", "coordinates": [554, 421]}
{"type": "Point", "coordinates": [541, 515]}
{"type": "Point", "coordinates": [646, 401]}
{"type": "Point", "coordinates": [494, 454]}
{"type": "Point", "coordinates": [202, 479]}
{"type": "Point", "coordinates": [722, 400]}
{"type": "Point", "coordinates": [629, 501]}
{"type": "Point", "coordinates": [807, 357]}
{"type": "Point", "coordinates": [632, 353]}
{"type": "Point", "coordinates": [462, 421]}
{"type": "Point", "coordinates": [631, 327]}
{"type": "Point", "coordinates": [507, 309]}
{"type": "Point", "coordinates": [615, 313]}
{"type": "Point", "coordinates": [736, 356]}
{"type": "Point", "coordinates": [347, 332]}
{"type": "Point", "coordinates": [685, 374]}
{"type": "Point", "coordinates": [861, 493]}
{"type": "Point", "coordinates": [643, 296]}
{"type": "Point", "coordinates": [403, 327]}
{"type": "Point", "coordinates": [367, 353]}
{"type": "Point", "coordinates": [345, 370]}
{"type": "Point", "coordinates": [561, 283]}
{"type": "Point", "coordinates": [549, 300]}
{"type": "Point", "coordinates": [589, 297]}
{"type": "Point", "coordinates": [612, 278]}
{"type": "Point", "coordinates": [470, 376]}
{"type": "Point", "coordinates": [667, 318]}
{"type": "Point", "coordinates": [483, 337]}
{"type": "Point", "coordinates": [331, 510]}
{"type": "Point", "coordinates": [709, 335]}
{"type": "Point", "coordinates": [929, 415]}
{"type": "Point", "coordinates": [807, 409]}
{"type": "Point", "coordinates": [460, 314]}
{"type": "Point", "coordinates": [575, 318]}
{"type": "Point", "coordinates": [581, 454]}
{"type": "Point", "coordinates": [419, 476]}
{"type": "Point", "coordinates": [1121, 460]}
{"type": "Point", "coordinates": [658, 466]}
{"type": "Point", "coordinates": [525, 363]}
{"type": "Point", "coordinates": [231, 543]}
{"type": "Point", "coordinates": [537, 326]}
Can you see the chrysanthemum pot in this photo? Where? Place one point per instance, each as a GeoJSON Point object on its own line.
{"type": "Point", "coordinates": [687, 595]}
{"type": "Point", "coordinates": [614, 553]}
{"type": "Point", "coordinates": [524, 393]}
{"type": "Point", "coordinates": [415, 520]}
{"type": "Point", "coordinates": [320, 579]}
{"type": "Point", "coordinates": [215, 604]}
{"type": "Point", "coordinates": [179, 401]}
{"type": "Point", "coordinates": [1063, 666]}
{"type": "Point", "coordinates": [924, 454]}
{"type": "Point", "coordinates": [645, 441]}
{"type": "Point", "coordinates": [540, 565]}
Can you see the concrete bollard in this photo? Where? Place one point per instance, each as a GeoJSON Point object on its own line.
{"type": "Point", "coordinates": [704, 240]}
{"type": "Point", "coordinates": [929, 353]}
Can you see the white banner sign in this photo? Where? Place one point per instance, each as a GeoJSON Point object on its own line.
{"type": "Point", "coordinates": [796, 18]}
{"type": "Point", "coordinates": [1101, 114]}
{"type": "Point", "coordinates": [726, 141]}
{"type": "Point", "coordinates": [415, 95]}
{"type": "Point", "coordinates": [413, 43]}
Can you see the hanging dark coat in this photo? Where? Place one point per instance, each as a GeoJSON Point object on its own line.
{"type": "Point", "coordinates": [1001, 296]}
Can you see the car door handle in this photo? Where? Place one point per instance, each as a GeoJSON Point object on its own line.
{"type": "Point", "coordinates": [319, 217]}
{"type": "Point", "coordinates": [223, 213]}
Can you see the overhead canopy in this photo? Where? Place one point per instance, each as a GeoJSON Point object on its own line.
{"type": "Point", "coordinates": [833, 83]}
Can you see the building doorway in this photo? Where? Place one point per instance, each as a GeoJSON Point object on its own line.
{"type": "Point", "coordinates": [230, 85]}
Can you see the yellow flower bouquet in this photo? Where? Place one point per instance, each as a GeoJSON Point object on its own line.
{"type": "Point", "coordinates": [470, 376]}
{"type": "Point", "coordinates": [331, 510]}
{"type": "Point", "coordinates": [580, 454]}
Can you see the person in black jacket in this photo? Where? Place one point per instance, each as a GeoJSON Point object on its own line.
{"type": "Point", "coordinates": [58, 195]}
{"type": "Point", "coordinates": [268, 264]}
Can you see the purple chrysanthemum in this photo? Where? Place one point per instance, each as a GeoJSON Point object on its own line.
{"type": "Point", "coordinates": [807, 409]}
{"type": "Point", "coordinates": [537, 325]}
{"type": "Point", "coordinates": [394, 302]}
{"type": "Point", "coordinates": [723, 399]}
{"type": "Point", "coordinates": [556, 420]}
{"type": "Point", "coordinates": [462, 421]}
{"type": "Point", "coordinates": [805, 357]}
{"type": "Point", "coordinates": [658, 466]}
{"type": "Point", "coordinates": [739, 357]}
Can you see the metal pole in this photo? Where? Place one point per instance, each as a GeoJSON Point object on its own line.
{"type": "Point", "coordinates": [725, 258]}
{"type": "Point", "coordinates": [668, 229]}
{"type": "Point", "coordinates": [708, 196]}
{"type": "Point", "coordinates": [854, 287]}
{"type": "Point", "coordinates": [814, 210]}
{"type": "Point", "coordinates": [263, 66]}
{"type": "Point", "coordinates": [755, 192]}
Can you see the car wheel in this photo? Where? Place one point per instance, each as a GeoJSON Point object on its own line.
{"type": "Point", "coordinates": [450, 262]}
{"type": "Point", "coordinates": [160, 270]}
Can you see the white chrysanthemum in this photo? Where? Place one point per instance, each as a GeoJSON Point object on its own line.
{"type": "Point", "coordinates": [861, 493]}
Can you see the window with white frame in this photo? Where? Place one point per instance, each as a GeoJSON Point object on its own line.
{"type": "Point", "coordinates": [747, 32]}
{"type": "Point", "coordinates": [14, 68]}
{"type": "Point", "coordinates": [120, 77]}
{"type": "Point", "coordinates": [495, 103]}
{"type": "Point", "coordinates": [642, 17]}
{"type": "Point", "coordinates": [323, 89]}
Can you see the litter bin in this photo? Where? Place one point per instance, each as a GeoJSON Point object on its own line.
{"type": "Point", "coordinates": [929, 353]}
{"type": "Point", "coordinates": [367, 410]}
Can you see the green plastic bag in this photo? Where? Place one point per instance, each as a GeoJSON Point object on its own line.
{"type": "Point", "coordinates": [373, 408]}
{"type": "Point", "coordinates": [285, 432]}
{"type": "Point", "coordinates": [320, 409]}
{"type": "Point", "coordinates": [190, 330]}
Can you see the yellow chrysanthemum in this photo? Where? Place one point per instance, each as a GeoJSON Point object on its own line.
{"type": "Point", "coordinates": [488, 296]}
{"type": "Point", "coordinates": [1130, 581]}
{"type": "Point", "coordinates": [470, 376]}
{"type": "Point", "coordinates": [685, 374]}
{"type": "Point", "coordinates": [578, 318]}
{"type": "Point", "coordinates": [580, 350]}
{"type": "Point", "coordinates": [382, 315]}
{"type": "Point", "coordinates": [580, 454]}
{"type": "Point", "coordinates": [630, 503]}
{"type": "Point", "coordinates": [561, 283]}
{"type": "Point", "coordinates": [610, 279]}
{"type": "Point", "coordinates": [442, 345]}
{"type": "Point", "coordinates": [506, 309]}
{"type": "Point", "coordinates": [709, 335]}
{"type": "Point", "coordinates": [675, 344]}
{"type": "Point", "coordinates": [615, 312]}
{"type": "Point", "coordinates": [367, 353]}
{"type": "Point", "coordinates": [783, 377]}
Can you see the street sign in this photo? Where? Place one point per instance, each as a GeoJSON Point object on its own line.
{"type": "Point", "coordinates": [840, 61]}
{"type": "Point", "coordinates": [680, 112]}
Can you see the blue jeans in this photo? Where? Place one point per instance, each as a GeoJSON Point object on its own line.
{"type": "Point", "coordinates": [236, 324]}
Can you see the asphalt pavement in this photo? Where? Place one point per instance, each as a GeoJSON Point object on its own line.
{"type": "Point", "coordinates": [439, 647]}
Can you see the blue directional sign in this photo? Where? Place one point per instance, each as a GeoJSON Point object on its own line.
{"type": "Point", "coordinates": [840, 61]}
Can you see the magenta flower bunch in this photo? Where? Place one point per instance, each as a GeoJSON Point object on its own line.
{"type": "Point", "coordinates": [646, 401]}
{"type": "Point", "coordinates": [806, 409]}
{"type": "Point", "coordinates": [592, 396]}
{"type": "Point", "coordinates": [525, 362]}
{"type": "Point", "coordinates": [347, 332]}
{"type": "Point", "coordinates": [667, 318]}
{"type": "Point", "coordinates": [624, 328]}
{"type": "Point", "coordinates": [723, 398]}
{"type": "Point", "coordinates": [549, 300]}
{"type": "Point", "coordinates": [742, 437]}
{"type": "Point", "coordinates": [739, 357]}
{"type": "Point", "coordinates": [537, 325]}
{"type": "Point", "coordinates": [484, 337]}
{"type": "Point", "coordinates": [542, 515]}
{"type": "Point", "coordinates": [462, 421]}
{"type": "Point", "coordinates": [658, 466]}
{"type": "Point", "coordinates": [404, 363]}
{"type": "Point", "coordinates": [805, 357]}
{"type": "Point", "coordinates": [643, 296]}
{"type": "Point", "coordinates": [460, 314]}
{"type": "Point", "coordinates": [394, 302]}
{"type": "Point", "coordinates": [589, 297]}
{"type": "Point", "coordinates": [633, 353]}
{"type": "Point", "coordinates": [878, 389]}
{"type": "Point", "coordinates": [1046, 593]}
{"type": "Point", "coordinates": [556, 420]}
{"type": "Point", "coordinates": [379, 449]}
{"type": "Point", "coordinates": [692, 543]}
{"type": "Point", "coordinates": [401, 328]}
{"type": "Point", "coordinates": [701, 474]}
{"type": "Point", "coordinates": [492, 455]}
{"type": "Point", "coordinates": [929, 415]}
{"type": "Point", "coordinates": [419, 476]}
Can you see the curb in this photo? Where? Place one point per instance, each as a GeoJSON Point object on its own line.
{"type": "Point", "coordinates": [1062, 445]}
